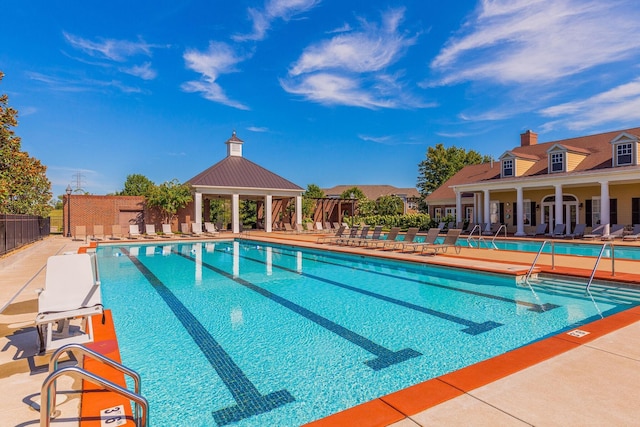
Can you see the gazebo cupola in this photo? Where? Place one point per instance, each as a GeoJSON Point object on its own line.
{"type": "Point", "coordinates": [234, 146]}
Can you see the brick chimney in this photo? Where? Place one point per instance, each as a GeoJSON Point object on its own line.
{"type": "Point", "coordinates": [528, 138]}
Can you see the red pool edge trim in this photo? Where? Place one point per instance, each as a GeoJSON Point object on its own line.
{"type": "Point", "coordinates": [412, 400]}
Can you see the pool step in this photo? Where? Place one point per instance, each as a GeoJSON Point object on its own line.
{"type": "Point", "coordinates": [600, 292]}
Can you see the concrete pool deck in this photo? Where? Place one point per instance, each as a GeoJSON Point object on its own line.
{"type": "Point", "coordinates": [562, 382]}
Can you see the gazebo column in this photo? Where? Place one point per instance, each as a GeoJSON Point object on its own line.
{"type": "Point", "coordinates": [298, 209]}
{"type": "Point", "coordinates": [459, 216]}
{"type": "Point", "coordinates": [605, 211]}
{"type": "Point", "coordinates": [235, 213]}
{"type": "Point", "coordinates": [198, 208]}
{"type": "Point", "coordinates": [267, 213]}
{"type": "Point", "coordinates": [520, 213]}
{"type": "Point", "coordinates": [558, 205]}
{"type": "Point", "coordinates": [487, 213]}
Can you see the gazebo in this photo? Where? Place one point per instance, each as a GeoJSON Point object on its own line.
{"type": "Point", "coordinates": [238, 178]}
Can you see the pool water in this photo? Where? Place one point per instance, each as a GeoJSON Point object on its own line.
{"type": "Point", "coordinates": [239, 333]}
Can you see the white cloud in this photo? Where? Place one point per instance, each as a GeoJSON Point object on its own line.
{"type": "Point", "coordinates": [524, 41]}
{"type": "Point", "coordinates": [143, 71]}
{"type": "Point", "coordinates": [257, 129]}
{"type": "Point", "coordinates": [115, 50]}
{"type": "Point", "coordinates": [274, 9]}
{"type": "Point", "coordinates": [619, 105]}
{"type": "Point", "coordinates": [219, 59]}
{"type": "Point", "coordinates": [63, 84]}
{"type": "Point", "coordinates": [351, 68]}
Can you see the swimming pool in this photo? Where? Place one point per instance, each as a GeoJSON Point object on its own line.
{"type": "Point", "coordinates": [252, 335]}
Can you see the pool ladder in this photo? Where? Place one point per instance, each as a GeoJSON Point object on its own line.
{"type": "Point", "coordinates": [481, 238]}
{"type": "Point", "coordinates": [48, 391]}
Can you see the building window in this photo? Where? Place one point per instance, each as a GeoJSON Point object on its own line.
{"type": "Point", "coordinates": [437, 213]}
{"type": "Point", "coordinates": [557, 162]}
{"type": "Point", "coordinates": [450, 212]}
{"type": "Point", "coordinates": [469, 215]}
{"type": "Point", "coordinates": [624, 154]}
{"type": "Point", "coordinates": [595, 211]}
{"type": "Point", "coordinates": [507, 167]}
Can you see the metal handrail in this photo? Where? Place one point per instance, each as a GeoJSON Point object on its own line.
{"type": "Point", "coordinates": [595, 267]}
{"type": "Point", "coordinates": [141, 404]}
{"type": "Point", "coordinates": [498, 232]}
{"type": "Point", "coordinates": [479, 228]}
{"type": "Point", "coordinates": [533, 264]}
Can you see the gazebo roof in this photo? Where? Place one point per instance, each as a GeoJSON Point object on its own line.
{"type": "Point", "coordinates": [236, 172]}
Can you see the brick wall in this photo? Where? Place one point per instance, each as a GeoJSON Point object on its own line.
{"type": "Point", "coordinates": [102, 210]}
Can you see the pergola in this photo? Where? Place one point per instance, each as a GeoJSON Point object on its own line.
{"type": "Point", "coordinates": [238, 178]}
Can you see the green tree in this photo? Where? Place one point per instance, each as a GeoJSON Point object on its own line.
{"type": "Point", "coordinates": [169, 197]}
{"type": "Point", "coordinates": [308, 202]}
{"type": "Point", "coordinates": [249, 213]}
{"type": "Point", "coordinates": [442, 163]}
{"type": "Point", "coordinates": [389, 205]}
{"type": "Point", "coordinates": [24, 186]}
{"type": "Point", "coordinates": [355, 191]}
{"type": "Point", "coordinates": [137, 185]}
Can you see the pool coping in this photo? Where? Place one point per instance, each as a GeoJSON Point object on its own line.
{"type": "Point", "coordinates": [407, 402]}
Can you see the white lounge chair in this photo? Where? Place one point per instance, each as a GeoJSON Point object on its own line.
{"type": "Point", "coordinates": [196, 228]}
{"type": "Point", "coordinates": [616, 232]}
{"type": "Point", "coordinates": [72, 290]}
{"type": "Point", "coordinates": [81, 233]}
{"type": "Point", "coordinates": [116, 232]}
{"type": "Point", "coordinates": [98, 232]}
{"type": "Point", "coordinates": [166, 230]}
{"type": "Point", "coordinates": [635, 233]}
{"type": "Point", "coordinates": [210, 229]}
{"type": "Point", "coordinates": [134, 231]}
{"type": "Point", "coordinates": [150, 231]}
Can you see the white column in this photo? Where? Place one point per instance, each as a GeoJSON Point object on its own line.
{"type": "Point", "coordinates": [235, 213]}
{"type": "Point", "coordinates": [198, 207]}
{"type": "Point", "coordinates": [459, 216]}
{"type": "Point", "coordinates": [558, 215]}
{"type": "Point", "coordinates": [267, 213]}
{"type": "Point", "coordinates": [487, 213]}
{"type": "Point", "coordinates": [521, 210]}
{"type": "Point", "coordinates": [605, 213]}
{"type": "Point", "coordinates": [477, 215]}
{"type": "Point", "coordinates": [298, 209]}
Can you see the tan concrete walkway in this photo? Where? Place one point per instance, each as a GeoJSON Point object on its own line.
{"type": "Point", "coordinates": [594, 384]}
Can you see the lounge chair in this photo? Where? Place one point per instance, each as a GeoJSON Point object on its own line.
{"type": "Point", "coordinates": [196, 229]}
{"type": "Point", "coordinates": [558, 231]}
{"type": "Point", "coordinates": [616, 232]}
{"type": "Point", "coordinates": [288, 228]}
{"type": "Point", "coordinates": [184, 229]}
{"type": "Point", "coordinates": [98, 232]}
{"type": "Point", "coordinates": [150, 231]}
{"type": "Point", "coordinates": [353, 233]}
{"type": "Point", "coordinates": [134, 231]}
{"type": "Point", "coordinates": [491, 229]}
{"type": "Point", "coordinates": [364, 232]}
{"type": "Point", "coordinates": [390, 237]}
{"type": "Point", "coordinates": [210, 229]}
{"type": "Point", "coordinates": [450, 240]}
{"type": "Point", "coordinates": [72, 290]}
{"type": "Point", "coordinates": [469, 228]}
{"type": "Point", "coordinates": [409, 237]}
{"type": "Point", "coordinates": [116, 232]}
{"type": "Point", "coordinates": [338, 235]}
{"type": "Point", "coordinates": [635, 233]}
{"type": "Point", "coordinates": [81, 233]}
{"type": "Point", "coordinates": [430, 239]}
{"type": "Point", "coordinates": [328, 228]}
{"type": "Point", "coordinates": [578, 231]}
{"type": "Point", "coordinates": [540, 230]}
{"type": "Point", "coordinates": [166, 231]}
{"type": "Point", "coordinates": [377, 232]}
{"type": "Point", "coordinates": [595, 232]}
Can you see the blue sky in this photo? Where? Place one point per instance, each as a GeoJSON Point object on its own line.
{"type": "Point", "coordinates": [321, 91]}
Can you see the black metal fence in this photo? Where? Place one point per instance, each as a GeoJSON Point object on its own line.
{"type": "Point", "coordinates": [19, 230]}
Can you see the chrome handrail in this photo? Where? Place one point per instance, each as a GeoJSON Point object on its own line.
{"type": "Point", "coordinates": [595, 267]}
{"type": "Point", "coordinates": [479, 228]}
{"type": "Point", "coordinates": [141, 404]}
{"type": "Point", "coordinates": [498, 232]}
{"type": "Point", "coordinates": [533, 264]}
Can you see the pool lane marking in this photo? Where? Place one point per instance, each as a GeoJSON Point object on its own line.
{"type": "Point", "coordinates": [537, 308]}
{"type": "Point", "coordinates": [472, 328]}
{"type": "Point", "coordinates": [249, 401]}
{"type": "Point", "coordinates": [384, 356]}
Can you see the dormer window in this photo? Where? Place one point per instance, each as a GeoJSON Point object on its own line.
{"type": "Point", "coordinates": [557, 162]}
{"type": "Point", "coordinates": [624, 154]}
{"type": "Point", "coordinates": [507, 167]}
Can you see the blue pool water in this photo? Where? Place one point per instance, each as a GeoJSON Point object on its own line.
{"type": "Point", "coordinates": [238, 333]}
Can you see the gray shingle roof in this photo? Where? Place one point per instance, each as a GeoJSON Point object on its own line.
{"type": "Point", "coordinates": [238, 172]}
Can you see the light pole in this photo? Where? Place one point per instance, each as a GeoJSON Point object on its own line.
{"type": "Point", "coordinates": [68, 191]}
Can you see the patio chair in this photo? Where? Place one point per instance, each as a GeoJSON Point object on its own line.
{"type": "Point", "coordinates": [635, 233]}
{"type": "Point", "coordinates": [578, 231]}
{"type": "Point", "coordinates": [595, 232]}
{"type": "Point", "coordinates": [353, 233]}
{"type": "Point", "coordinates": [184, 229]}
{"type": "Point", "coordinates": [338, 235]}
{"type": "Point", "coordinates": [116, 232]}
{"type": "Point", "coordinates": [409, 237]}
{"type": "Point", "coordinates": [430, 239]}
{"type": "Point", "coordinates": [328, 228]}
{"type": "Point", "coordinates": [450, 240]}
{"type": "Point", "coordinates": [81, 233]}
{"type": "Point", "coordinates": [150, 231]}
{"type": "Point", "coordinates": [558, 231]}
{"type": "Point", "coordinates": [490, 229]}
{"type": "Point", "coordinates": [616, 232]}
{"type": "Point", "coordinates": [540, 230]}
{"type": "Point", "coordinates": [390, 237]}
{"type": "Point", "coordinates": [166, 231]}
{"type": "Point", "coordinates": [469, 228]}
{"type": "Point", "coordinates": [98, 232]}
{"type": "Point", "coordinates": [288, 228]}
{"type": "Point", "coordinates": [364, 232]}
{"type": "Point", "coordinates": [196, 229]}
{"type": "Point", "coordinates": [72, 290]}
{"type": "Point", "coordinates": [377, 232]}
{"type": "Point", "coordinates": [134, 231]}
{"type": "Point", "coordinates": [210, 229]}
